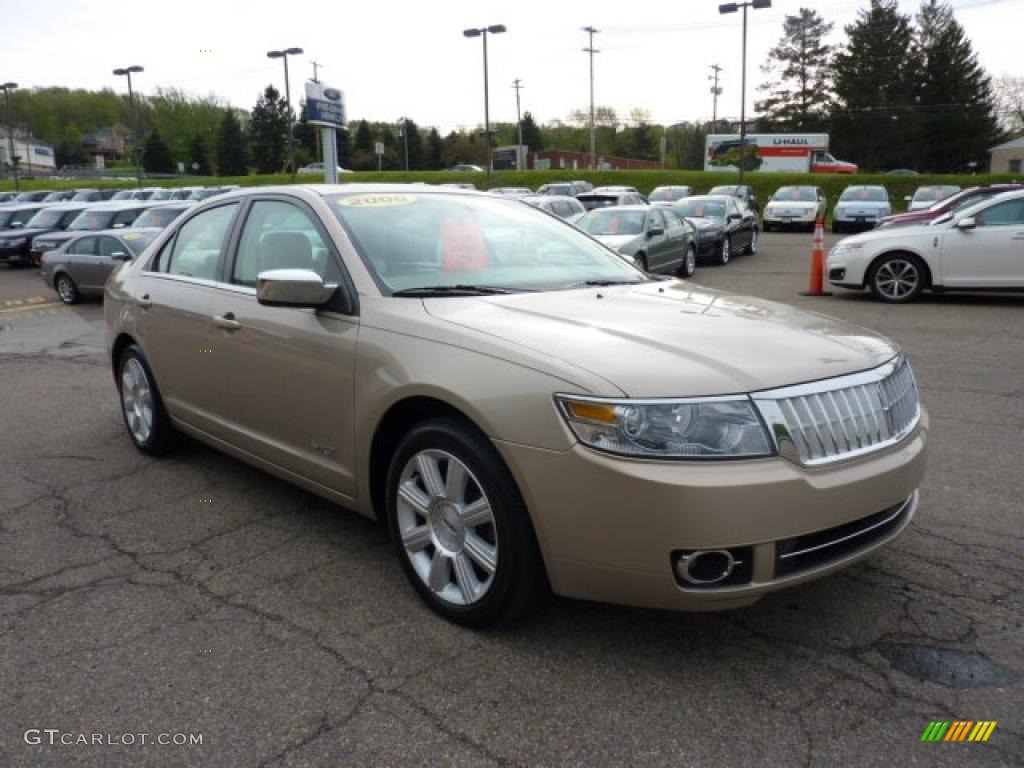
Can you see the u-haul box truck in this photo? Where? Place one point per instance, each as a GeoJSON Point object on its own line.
{"type": "Point", "coordinates": [787, 152]}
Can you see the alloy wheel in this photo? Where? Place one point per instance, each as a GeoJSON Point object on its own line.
{"type": "Point", "coordinates": [447, 527]}
{"type": "Point", "coordinates": [897, 279]}
{"type": "Point", "coordinates": [65, 289]}
{"type": "Point", "coordinates": [137, 400]}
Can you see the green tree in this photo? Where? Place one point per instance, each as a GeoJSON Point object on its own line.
{"type": "Point", "coordinates": [268, 132]}
{"type": "Point", "coordinates": [197, 160]}
{"type": "Point", "coordinates": [797, 95]}
{"type": "Point", "coordinates": [71, 149]}
{"type": "Point", "coordinates": [306, 135]}
{"type": "Point", "coordinates": [957, 121]}
{"type": "Point", "coordinates": [156, 156]}
{"type": "Point", "coordinates": [364, 138]}
{"type": "Point", "coordinates": [875, 87]}
{"type": "Point", "coordinates": [344, 142]}
{"type": "Point", "coordinates": [1009, 92]}
{"type": "Point", "coordinates": [232, 153]}
{"type": "Point", "coordinates": [415, 139]}
{"type": "Point", "coordinates": [531, 133]}
{"type": "Point", "coordinates": [434, 151]}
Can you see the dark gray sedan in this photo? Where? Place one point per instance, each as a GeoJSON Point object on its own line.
{"type": "Point", "coordinates": [653, 239]}
{"type": "Point", "coordinates": [80, 267]}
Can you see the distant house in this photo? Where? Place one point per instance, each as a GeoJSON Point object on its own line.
{"type": "Point", "coordinates": [106, 142]}
{"type": "Point", "coordinates": [1008, 157]}
{"type": "Point", "coordinates": [34, 156]}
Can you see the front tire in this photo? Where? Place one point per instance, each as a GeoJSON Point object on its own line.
{"type": "Point", "coordinates": [689, 266]}
{"type": "Point", "coordinates": [461, 528]}
{"type": "Point", "coordinates": [143, 410]}
{"type": "Point", "coordinates": [898, 278]}
{"type": "Point", "coordinates": [724, 251]}
{"type": "Point", "coordinates": [751, 249]}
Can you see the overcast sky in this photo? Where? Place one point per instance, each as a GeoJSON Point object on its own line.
{"type": "Point", "coordinates": [409, 56]}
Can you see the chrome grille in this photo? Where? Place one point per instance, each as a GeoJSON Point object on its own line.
{"type": "Point", "coordinates": [843, 417]}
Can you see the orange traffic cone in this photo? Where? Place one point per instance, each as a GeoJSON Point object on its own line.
{"type": "Point", "coordinates": [817, 277]}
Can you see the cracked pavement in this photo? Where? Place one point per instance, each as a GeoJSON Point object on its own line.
{"type": "Point", "coordinates": [281, 628]}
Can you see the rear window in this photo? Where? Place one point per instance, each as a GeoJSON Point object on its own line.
{"type": "Point", "coordinates": [613, 222]}
{"type": "Point", "coordinates": [92, 220]}
{"type": "Point", "coordinates": [796, 194]}
{"type": "Point", "coordinates": [590, 202]}
{"type": "Point", "coordinates": [157, 217]}
{"type": "Point", "coordinates": [701, 209]}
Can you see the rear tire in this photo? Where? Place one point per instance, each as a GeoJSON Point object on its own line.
{"type": "Point", "coordinates": [751, 248]}
{"type": "Point", "coordinates": [724, 251]}
{"type": "Point", "coordinates": [66, 289]}
{"type": "Point", "coordinates": [142, 407]}
{"type": "Point", "coordinates": [461, 529]}
{"type": "Point", "coordinates": [689, 266]}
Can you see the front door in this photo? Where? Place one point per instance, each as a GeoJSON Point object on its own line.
{"type": "Point", "coordinates": [991, 255]}
{"type": "Point", "coordinates": [287, 373]}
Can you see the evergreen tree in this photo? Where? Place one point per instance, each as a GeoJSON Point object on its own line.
{"type": "Point", "coordinates": [797, 97]}
{"type": "Point", "coordinates": [875, 76]}
{"type": "Point", "coordinates": [956, 112]}
{"type": "Point", "coordinates": [363, 138]}
{"type": "Point", "coordinates": [268, 132]}
{"type": "Point", "coordinates": [232, 153]}
{"type": "Point", "coordinates": [531, 133]}
{"type": "Point", "coordinates": [415, 139]}
{"type": "Point", "coordinates": [71, 149]}
{"type": "Point", "coordinates": [198, 161]}
{"type": "Point", "coordinates": [306, 135]}
{"type": "Point", "coordinates": [156, 157]}
{"type": "Point", "coordinates": [343, 141]}
{"type": "Point", "coordinates": [434, 151]}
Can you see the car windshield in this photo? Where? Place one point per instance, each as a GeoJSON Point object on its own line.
{"type": "Point", "coordinates": [612, 222]}
{"type": "Point", "coordinates": [668, 194]}
{"type": "Point", "coordinates": [930, 194]}
{"type": "Point", "coordinates": [92, 220]}
{"type": "Point", "coordinates": [137, 241]}
{"type": "Point", "coordinates": [795, 194]}
{"type": "Point", "coordinates": [701, 209]}
{"type": "Point", "coordinates": [157, 217]}
{"type": "Point", "coordinates": [202, 194]}
{"type": "Point", "coordinates": [84, 196]}
{"type": "Point", "coordinates": [54, 197]}
{"type": "Point", "coordinates": [967, 200]}
{"type": "Point", "coordinates": [865, 194]}
{"type": "Point", "coordinates": [124, 194]}
{"type": "Point", "coordinates": [47, 217]}
{"type": "Point", "coordinates": [723, 190]}
{"type": "Point", "coordinates": [413, 240]}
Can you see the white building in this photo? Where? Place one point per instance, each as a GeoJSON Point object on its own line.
{"type": "Point", "coordinates": [35, 157]}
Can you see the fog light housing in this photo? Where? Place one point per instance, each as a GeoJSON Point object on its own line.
{"type": "Point", "coordinates": [837, 274]}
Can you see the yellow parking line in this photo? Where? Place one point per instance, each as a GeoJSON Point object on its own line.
{"type": "Point", "coordinates": [30, 308]}
{"type": "Point", "coordinates": [36, 300]}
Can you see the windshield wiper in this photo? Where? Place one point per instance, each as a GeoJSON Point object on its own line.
{"type": "Point", "coordinates": [455, 290]}
{"type": "Point", "coordinates": [602, 283]}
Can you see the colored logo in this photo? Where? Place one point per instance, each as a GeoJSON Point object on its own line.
{"type": "Point", "coordinates": [332, 93]}
{"type": "Point", "coordinates": [958, 730]}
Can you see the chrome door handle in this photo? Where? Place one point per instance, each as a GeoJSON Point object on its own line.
{"type": "Point", "coordinates": [227, 321]}
{"type": "Point", "coordinates": [144, 302]}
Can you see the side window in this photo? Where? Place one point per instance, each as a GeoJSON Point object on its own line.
{"type": "Point", "coordinates": [561, 208]}
{"type": "Point", "coordinates": [656, 220]}
{"type": "Point", "coordinates": [1010, 213]}
{"type": "Point", "coordinates": [85, 246]}
{"type": "Point", "coordinates": [109, 246]}
{"type": "Point", "coordinates": [197, 249]}
{"type": "Point", "coordinates": [279, 235]}
{"type": "Point", "coordinates": [124, 218]}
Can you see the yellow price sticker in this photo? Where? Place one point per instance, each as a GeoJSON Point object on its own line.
{"type": "Point", "coordinates": [376, 201]}
{"type": "Point", "coordinates": [130, 236]}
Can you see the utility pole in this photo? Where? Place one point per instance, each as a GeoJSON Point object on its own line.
{"type": "Point", "coordinates": [316, 66]}
{"type": "Point", "coordinates": [716, 91]}
{"type": "Point", "coordinates": [494, 29]}
{"type": "Point", "coordinates": [592, 50]}
{"type": "Point", "coordinates": [732, 8]}
{"type": "Point", "coordinates": [403, 131]}
{"type": "Point", "coordinates": [7, 88]}
{"type": "Point", "coordinates": [518, 85]}
{"type": "Point", "coordinates": [127, 72]}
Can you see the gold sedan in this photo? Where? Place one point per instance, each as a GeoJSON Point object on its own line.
{"type": "Point", "coordinates": [522, 409]}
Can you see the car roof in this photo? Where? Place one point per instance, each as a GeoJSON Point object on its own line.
{"type": "Point", "coordinates": [325, 190]}
{"type": "Point", "coordinates": [704, 198]}
{"type": "Point", "coordinates": [68, 205]}
{"type": "Point", "coordinates": [642, 208]}
{"type": "Point", "coordinates": [864, 186]}
{"type": "Point", "coordinates": [175, 203]}
{"type": "Point", "coordinates": [124, 205]}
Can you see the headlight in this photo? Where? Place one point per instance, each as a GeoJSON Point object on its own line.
{"type": "Point", "coordinates": [697, 428]}
{"type": "Point", "coordinates": [16, 242]}
{"type": "Point", "coordinates": [845, 249]}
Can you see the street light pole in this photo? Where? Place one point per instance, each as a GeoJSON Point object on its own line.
{"type": "Point", "coordinates": [732, 8]}
{"type": "Point", "coordinates": [715, 93]}
{"type": "Point", "coordinates": [7, 88]}
{"type": "Point", "coordinates": [518, 85]}
{"type": "Point", "coordinates": [284, 54]}
{"type": "Point", "coordinates": [593, 137]}
{"type": "Point", "coordinates": [494, 29]}
{"type": "Point", "coordinates": [404, 122]}
{"type": "Point", "coordinates": [127, 71]}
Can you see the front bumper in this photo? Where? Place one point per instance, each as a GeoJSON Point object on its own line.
{"type": "Point", "coordinates": [611, 529]}
{"type": "Point", "coordinates": [850, 222]}
{"type": "Point", "coordinates": [781, 220]}
{"type": "Point", "coordinates": [14, 254]}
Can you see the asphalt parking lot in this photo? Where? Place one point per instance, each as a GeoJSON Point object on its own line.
{"type": "Point", "coordinates": [195, 595]}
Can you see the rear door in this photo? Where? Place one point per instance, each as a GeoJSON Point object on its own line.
{"type": "Point", "coordinates": [80, 255]}
{"type": "Point", "coordinates": [659, 246]}
{"type": "Point", "coordinates": [992, 254]}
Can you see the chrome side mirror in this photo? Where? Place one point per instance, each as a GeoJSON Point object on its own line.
{"type": "Point", "coordinates": [293, 288]}
{"type": "Point", "coordinates": [967, 223]}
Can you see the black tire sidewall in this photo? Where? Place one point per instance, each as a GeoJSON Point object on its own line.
{"type": "Point", "coordinates": [725, 251]}
{"type": "Point", "coordinates": [518, 556]}
{"type": "Point", "coordinates": [63, 276]}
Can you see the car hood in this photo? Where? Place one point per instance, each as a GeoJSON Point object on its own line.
{"type": "Point", "coordinates": [905, 234]}
{"type": "Point", "coordinates": [33, 232]}
{"type": "Point", "coordinates": [866, 205]}
{"type": "Point", "coordinates": [672, 338]}
{"type": "Point", "coordinates": [706, 224]}
{"type": "Point", "coordinates": [61, 236]}
{"type": "Point", "coordinates": [617, 242]}
{"type": "Point", "coordinates": [798, 205]}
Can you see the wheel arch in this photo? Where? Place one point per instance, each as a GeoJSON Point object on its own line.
{"type": "Point", "coordinates": [122, 342]}
{"type": "Point", "coordinates": [878, 258]}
